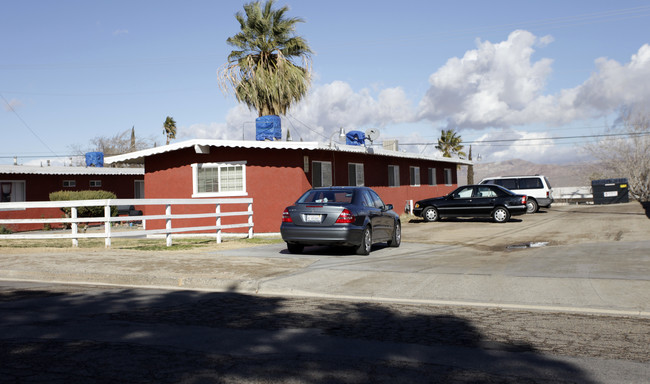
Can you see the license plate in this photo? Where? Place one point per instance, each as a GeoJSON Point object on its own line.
{"type": "Point", "coordinates": [312, 218]}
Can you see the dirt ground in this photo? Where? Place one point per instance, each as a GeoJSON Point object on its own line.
{"type": "Point", "coordinates": [558, 225]}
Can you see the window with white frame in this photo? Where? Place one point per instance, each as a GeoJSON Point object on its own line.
{"type": "Point", "coordinates": [95, 183]}
{"type": "Point", "coordinates": [321, 174]}
{"type": "Point", "coordinates": [12, 190]}
{"type": "Point", "coordinates": [448, 180]}
{"type": "Point", "coordinates": [432, 176]}
{"type": "Point", "coordinates": [219, 179]}
{"type": "Point", "coordinates": [415, 176]}
{"type": "Point", "coordinates": [393, 175]}
{"type": "Point", "coordinates": [69, 183]}
{"type": "Point", "coordinates": [355, 174]}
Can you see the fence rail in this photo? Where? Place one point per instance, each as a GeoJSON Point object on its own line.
{"type": "Point", "coordinates": [107, 219]}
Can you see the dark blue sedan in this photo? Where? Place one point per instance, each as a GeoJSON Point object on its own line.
{"type": "Point", "coordinates": [342, 216]}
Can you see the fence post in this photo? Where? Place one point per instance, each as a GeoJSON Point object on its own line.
{"type": "Point", "coordinates": [107, 225]}
{"type": "Point", "coordinates": [250, 220]}
{"type": "Point", "coordinates": [73, 215]}
{"type": "Point", "coordinates": [168, 225]}
{"type": "Point", "coordinates": [218, 212]}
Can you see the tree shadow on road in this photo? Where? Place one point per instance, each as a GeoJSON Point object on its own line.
{"type": "Point", "coordinates": [195, 337]}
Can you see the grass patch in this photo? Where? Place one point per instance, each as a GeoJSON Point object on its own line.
{"type": "Point", "coordinates": [157, 244]}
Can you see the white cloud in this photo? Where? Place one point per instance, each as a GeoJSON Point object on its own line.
{"type": "Point", "coordinates": [536, 147]}
{"type": "Point", "coordinates": [120, 32]}
{"type": "Point", "coordinates": [488, 84]}
{"type": "Point", "coordinates": [12, 105]}
{"type": "Point", "coordinates": [323, 111]}
{"type": "Point", "coordinates": [615, 84]}
{"type": "Point", "coordinates": [497, 85]}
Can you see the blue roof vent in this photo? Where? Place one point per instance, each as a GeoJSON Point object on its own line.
{"type": "Point", "coordinates": [355, 138]}
{"type": "Point", "coordinates": [94, 159]}
{"type": "Point", "coordinates": [268, 128]}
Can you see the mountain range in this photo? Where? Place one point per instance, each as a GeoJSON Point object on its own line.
{"type": "Point", "coordinates": [559, 175]}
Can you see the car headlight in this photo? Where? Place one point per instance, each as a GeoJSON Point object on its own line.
{"type": "Point", "coordinates": [417, 205]}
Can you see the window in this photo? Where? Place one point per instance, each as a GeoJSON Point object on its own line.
{"type": "Point", "coordinates": [12, 190]}
{"type": "Point", "coordinates": [376, 200]}
{"type": "Point", "coordinates": [464, 193]}
{"type": "Point", "coordinates": [432, 177]}
{"type": "Point", "coordinates": [138, 191]}
{"type": "Point", "coordinates": [321, 174]}
{"type": "Point", "coordinates": [415, 176]}
{"type": "Point", "coordinates": [448, 180]}
{"type": "Point", "coordinates": [95, 183]}
{"type": "Point", "coordinates": [530, 183]}
{"type": "Point", "coordinates": [485, 192]}
{"type": "Point", "coordinates": [507, 183]}
{"type": "Point", "coordinates": [355, 174]}
{"type": "Point", "coordinates": [327, 196]}
{"type": "Point", "coordinates": [69, 183]}
{"type": "Point", "coordinates": [393, 175]}
{"type": "Point", "coordinates": [219, 179]}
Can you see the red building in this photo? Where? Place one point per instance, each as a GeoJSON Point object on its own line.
{"type": "Point", "coordinates": [32, 183]}
{"type": "Point", "coordinates": [276, 173]}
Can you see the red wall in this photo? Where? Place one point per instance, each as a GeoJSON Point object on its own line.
{"type": "Point", "coordinates": [275, 178]}
{"type": "Point", "coordinates": [39, 187]}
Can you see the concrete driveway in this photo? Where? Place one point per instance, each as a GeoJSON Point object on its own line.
{"type": "Point", "coordinates": [587, 258]}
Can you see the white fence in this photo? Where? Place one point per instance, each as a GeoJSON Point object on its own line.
{"type": "Point", "coordinates": [107, 219]}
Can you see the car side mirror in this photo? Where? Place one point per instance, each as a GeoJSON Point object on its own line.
{"type": "Point", "coordinates": [388, 207]}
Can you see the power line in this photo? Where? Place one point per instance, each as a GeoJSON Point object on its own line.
{"type": "Point", "coordinates": [11, 108]}
{"type": "Point", "coordinates": [541, 138]}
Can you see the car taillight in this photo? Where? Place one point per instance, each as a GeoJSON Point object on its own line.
{"type": "Point", "coordinates": [345, 217]}
{"type": "Point", "coordinates": [285, 216]}
{"type": "Point", "coordinates": [523, 200]}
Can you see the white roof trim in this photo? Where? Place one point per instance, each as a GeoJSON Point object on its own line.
{"type": "Point", "coordinates": [58, 170]}
{"type": "Point", "coordinates": [201, 144]}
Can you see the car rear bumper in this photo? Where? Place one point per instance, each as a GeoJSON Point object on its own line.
{"type": "Point", "coordinates": [545, 202]}
{"type": "Point", "coordinates": [516, 210]}
{"type": "Point", "coordinates": [338, 235]}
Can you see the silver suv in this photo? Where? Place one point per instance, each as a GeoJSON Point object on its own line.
{"type": "Point", "coordinates": [536, 187]}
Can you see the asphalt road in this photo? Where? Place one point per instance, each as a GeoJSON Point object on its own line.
{"type": "Point", "coordinates": [85, 334]}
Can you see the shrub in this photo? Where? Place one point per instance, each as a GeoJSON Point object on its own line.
{"type": "Point", "coordinates": [85, 195]}
{"type": "Point", "coordinates": [5, 231]}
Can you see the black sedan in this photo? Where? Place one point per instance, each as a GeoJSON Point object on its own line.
{"type": "Point", "coordinates": [473, 201]}
{"type": "Point", "coordinates": [345, 216]}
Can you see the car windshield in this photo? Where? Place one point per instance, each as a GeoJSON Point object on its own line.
{"type": "Point", "coordinates": [327, 196]}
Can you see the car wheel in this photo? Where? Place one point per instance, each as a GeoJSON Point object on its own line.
{"type": "Point", "coordinates": [295, 248]}
{"type": "Point", "coordinates": [366, 242]}
{"type": "Point", "coordinates": [531, 206]}
{"type": "Point", "coordinates": [430, 214]}
{"type": "Point", "coordinates": [397, 236]}
{"type": "Point", "coordinates": [500, 215]}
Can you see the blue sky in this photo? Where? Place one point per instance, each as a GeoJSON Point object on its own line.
{"type": "Point", "coordinates": [522, 71]}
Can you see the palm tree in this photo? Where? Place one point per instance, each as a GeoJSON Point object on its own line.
{"type": "Point", "coordinates": [449, 143]}
{"type": "Point", "coordinates": [260, 70]}
{"type": "Point", "coordinates": [169, 129]}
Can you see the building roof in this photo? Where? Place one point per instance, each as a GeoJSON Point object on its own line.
{"type": "Point", "coordinates": [202, 146]}
{"type": "Point", "coordinates": [58, 170]}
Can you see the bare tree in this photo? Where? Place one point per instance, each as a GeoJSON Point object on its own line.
{"type": "Point", "coordinates": [625, 152]}
{"type": "Point", "coordinates": [117, 144]}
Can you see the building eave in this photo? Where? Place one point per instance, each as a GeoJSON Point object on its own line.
{"type": "Point", "coordinates": [202, 146]}
{"type": "Point", "coordinates": [73, 171]}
